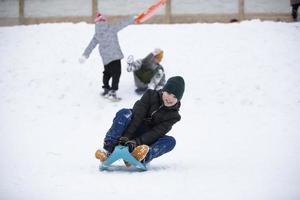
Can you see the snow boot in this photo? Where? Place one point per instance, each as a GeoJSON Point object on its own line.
{"type": "Point", "coordinates": [139, 153]}
{"type": "Point", "coordinates": [105, 92]}
{"type": "Point", "coordinates": [140, 91]}
{"type": "Point", "coordinates": [101, 155]}
{"type": "Point", "coordinates": [112, 95]}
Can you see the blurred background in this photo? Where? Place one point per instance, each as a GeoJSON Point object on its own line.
{"type": "Point", "coordinates": [18, 12]}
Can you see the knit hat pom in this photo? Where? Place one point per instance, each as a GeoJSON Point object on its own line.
{"type": "Point", "coordinates": [158, 54]}
{"type": "Point", "coordinates": [175, 85]}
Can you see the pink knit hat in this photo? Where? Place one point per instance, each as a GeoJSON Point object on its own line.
{"type": "Point", "coordinates": [99, 17]}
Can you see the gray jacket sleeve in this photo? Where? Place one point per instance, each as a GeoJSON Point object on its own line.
{"type": "Point", "coordinates": [148, 60]}
{"type": "Point", "coordinates": [93, 43]}
{"type": "Point", "coordinates": [135, 65]}
{"type": "Point", "coordinates": [122, 24]}
{"type": "Point", "coordinates": [157, 81]}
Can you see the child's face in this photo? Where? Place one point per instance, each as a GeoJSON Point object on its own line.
{"type": "Point", "coordinates": [169, 99]}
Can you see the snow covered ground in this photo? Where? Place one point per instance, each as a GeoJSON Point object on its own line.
{"type": "Point", "coordinates": [238, 138]}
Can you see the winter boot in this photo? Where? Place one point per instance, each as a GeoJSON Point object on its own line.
{"type": "Point", "coordinates": [140, 91]}
{"type": "Point", "coordinates": [112, 95]}
{"type": "Point", "coordinates": [101, 154]}
{"type": "Point", "coordinates": [140, 152]}
{"type": "Point", "coordinates": [105, 92]}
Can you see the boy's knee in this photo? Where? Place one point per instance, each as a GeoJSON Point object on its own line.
{"type": "Point", "coordinates": [171, 142]}
{"type": "Point", "coordinates": [125, 112]}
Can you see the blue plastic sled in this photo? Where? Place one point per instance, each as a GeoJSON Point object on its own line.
{"type": "Point", "coordinates": [121, 152]}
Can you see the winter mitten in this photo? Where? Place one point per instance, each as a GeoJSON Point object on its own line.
{"type": "Point", "coordinates": [82, 59]}
{"type": "Point", "coordinates": [131, 145]}
{"type": "Point", "coordinates": [123, 140]}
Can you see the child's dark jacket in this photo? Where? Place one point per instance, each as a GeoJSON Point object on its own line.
{"type": "Point", "coordinates": [150, 112]}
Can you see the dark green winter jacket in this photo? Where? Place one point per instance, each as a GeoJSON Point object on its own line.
{"type": "Point", "coordinates": [157, 118]}
{"type": "Point", "coordinates": [148, 69]}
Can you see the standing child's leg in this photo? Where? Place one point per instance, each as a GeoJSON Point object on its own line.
{"type": "Point", "coordinates": [106, 77]}
{"type": "Point", "coordinates": [116, 73]}
{"type": "Point", "coordinates": [164, 145]}
{"type": "Point", "coordinates": [120, 123]}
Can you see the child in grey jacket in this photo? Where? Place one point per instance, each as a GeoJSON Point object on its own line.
{"type": "Point", "coordinates": [148, 73]}
{"type": "Point", "coordinates": [106, 37]}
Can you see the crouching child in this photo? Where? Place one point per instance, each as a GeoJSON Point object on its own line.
{"type": "Point", "coordinates": [148, 73]}
{"type": "Point", "coordinates": [144, 128]}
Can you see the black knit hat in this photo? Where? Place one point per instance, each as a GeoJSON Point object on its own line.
{"type": "Point", "coordinates": [175, 85]}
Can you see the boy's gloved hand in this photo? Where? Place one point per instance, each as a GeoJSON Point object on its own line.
{"type": "Point", "coordinates": [131, 145]}
{"type": "Point", "coordinates": [82, 59]}
{"type": "Point", "coordinates": [123, 140]}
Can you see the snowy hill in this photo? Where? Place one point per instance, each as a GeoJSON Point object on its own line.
{"type": "Point", "coordinates": [239, 134]}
